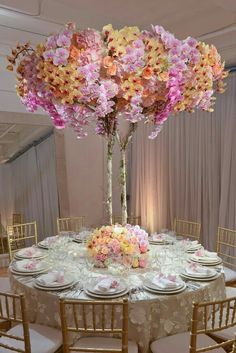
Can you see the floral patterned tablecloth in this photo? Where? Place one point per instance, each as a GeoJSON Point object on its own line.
{"type": "Point", "coordinates": [150, 317]}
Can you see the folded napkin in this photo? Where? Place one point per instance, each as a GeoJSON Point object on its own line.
{"type": "Point", "coordinates": [194, 269]}
{"type": "Point", "coordinates": [31, 265]}
{"type": "Point", "coordinates": [30, 252]}
{"type": "Point", "coordinates": [50, 240]}
{"type": "Point", "coordinates": [163, 282]}
{"type": "Point", "coordinates": [52, 278]}
{"type": "Point", "coordinates": [159, 237]}
{"type": "Point", "coordinates": [107, 284]}
{"type": "Point", "coordinates": [207, 254]}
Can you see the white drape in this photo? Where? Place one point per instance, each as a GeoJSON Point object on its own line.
{"type": "Point", "coordinates": [34, 187]}
{"type": "Point", "coordinates": [6, 195]}
{"type": "Point", "coordinates": [189, 170]}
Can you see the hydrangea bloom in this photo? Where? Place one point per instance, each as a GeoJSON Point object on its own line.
{"type": "Point", "coordinates": [78, 76]}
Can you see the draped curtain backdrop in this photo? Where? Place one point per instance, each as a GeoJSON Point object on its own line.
{"type": "Point", "coordinates": [189, 170]}
{"type": "Point", "coordinates": [35, 186]}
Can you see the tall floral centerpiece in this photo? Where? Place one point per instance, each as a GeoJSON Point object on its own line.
{"type": "Point", "coordinates": [84, 76]}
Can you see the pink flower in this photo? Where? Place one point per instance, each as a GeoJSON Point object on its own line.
{"type": "Point", "coordinates": [60, 56]}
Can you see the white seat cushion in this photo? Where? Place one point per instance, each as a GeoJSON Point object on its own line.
{"type": "Point", "coordinates": [43, 339]}
{"type": "Point", "coordinates": [5, 284]}
{"type": "Point", "coordinates": [105, 343]}
{"type": "Point", "coordinates": [228, 333]}
{"type": "Point", "coordinates": [230, 292]}
{"type": "Point", "coordinates": [179, 343]}
{"type": "Point", "coordinates": [230, 275]}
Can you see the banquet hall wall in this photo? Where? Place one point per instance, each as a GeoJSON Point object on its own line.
{"type": "Point", "coordinates": [189, 170]}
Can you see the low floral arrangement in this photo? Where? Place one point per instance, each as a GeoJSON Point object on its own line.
{"type": "Point", "coordinates": [117, 242]}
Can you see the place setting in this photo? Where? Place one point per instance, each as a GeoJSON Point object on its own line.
{"type": "Point", "coordinates": [31, 252]}
{"type": "Point", "coordinates": [160, 239]}
{"type": "Point", "coordinates": [206, 258]}
{"type": "Point", "coordinates": [82, 236]}
{"type": "Point", "coordinates": [191, 246]}
{"type": "Point", "coordinates": [159, 283]}
{"type": "Point", "coordinates": [106, 287]}
{"type": "Point", "coordinates": [48, 242]}
{"type": "Point", "coordinates": [196, 272]}
{"type": "Point", "coordinates": [54, 281]}
{"type": "Point", "coordinates": [28, 267]}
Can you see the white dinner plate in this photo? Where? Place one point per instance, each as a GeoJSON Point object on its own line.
{"type": "Point", "coordinates": [201, 279]}
{"type": "Point", "coordinates": [43, 266]}
{"type": "Point", "coordinates": [102, 296]}
{"type": "Point", "coordinates": [200, 275]}
{"type": "Point", "coordinates": [20, 273]}
{"type": "Point", "coordinates": [154, 286]}
{"type": "Point", "coordinates": [192, 249]}
{"type": "Point", "coordinates": [166, 292]}
{"type": "Point", "coordinates": [68, 281]}
{"type": "Point", "coordinates": [154, 242]}
{"type": "Point", "coordinates": [91, 288]}
{"type": "Point", "coordinates": [205, 263]}
{"type": "Point", "coordinates": [53, 288]}
{"type": "Point", "coordinates": [20, 255]}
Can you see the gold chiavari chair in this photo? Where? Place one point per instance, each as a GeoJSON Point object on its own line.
{"type": "Point", "coordinates": [102, 323]}
{"type": "Point", "coordinates": [23, 337]}
{"type": "Point", "coordinates": [73, 224]}
{"type": "Point", "coordinates": [19, 235]}
{"type": "Point", "coordinates": [226, 249]}
{"type": "Point", "coordinates": [208, 318]}
{"type": "Point", "coordinates": [2, 238]}
{"type": "Point", "coordinates": [133, 220]}
{"type": "Point", "coordinates": [187, 229]}
{"type": "Point", "coordinates": [17, 218]}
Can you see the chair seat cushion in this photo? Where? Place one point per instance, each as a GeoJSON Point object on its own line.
{"type": "Point", "coordinates": [105, 343]}
{"type": "Point", "coordinates": [230, 275]}
{"type": "Point", "coordinates": [228, 333]}
{"type": "Point", "coordinates": [5, 284]}
{"type": "Point", "coordinates": [230, 292]}
{"type": "Point", "coordinates": [179, 343]}
{"type": "Point", "coordinates": [43, 339]}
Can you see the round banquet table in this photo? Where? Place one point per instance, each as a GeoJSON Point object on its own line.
{"type": "Point", "coordinates": [151, 316]}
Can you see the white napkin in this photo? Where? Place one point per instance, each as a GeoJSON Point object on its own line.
{"type": "Point", "coordinates": [107, 285]}
{"type": "Point", "coordinates": [50, 240]}
{"type": "Point", "coordinates": [164, 282]}
{"type": "Point", "coordinates": [30, 265]}
{"type": "Point", "coordinates": [51, 277]}
{"type": "Point", "coordinates": [211, 254]}
{"type": "Point", "coordinates": [197, 269]}
{"type": "Point", "coordinates": [159, 237]}
{"type": "Point", "coordinates": [83, 235]}
{"type": "Point", "coordinates": [206, 255]}
{"type": "Point", "coordinates": [30, 252]}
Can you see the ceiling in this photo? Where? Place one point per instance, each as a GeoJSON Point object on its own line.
{"type": "Point", "coordinates": [213, 21]}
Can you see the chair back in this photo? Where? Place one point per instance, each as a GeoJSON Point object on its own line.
{"type": "Point", "coordinates": [133, 220]}
{"type": "Point", "coordinates": [210, 317]}
{"type": "Point", "coordinates": [19, 235]}
{"type": "Point", "coordinates": [73, 224]}
{"type": "Point", "coordinates": [17, 218]}
{"type": "Point", "coordinates": [13, 310]}
{"type": "Point", "coordinates": [94, 318]}
{"type": "Point", "coordinates": [226, 246]}
{"type": "Point", "coordinates": [187, 229]}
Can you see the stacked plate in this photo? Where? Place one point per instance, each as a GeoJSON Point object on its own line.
{"type": "Point", "coordinates": [93, 290]}
{"type": "Point", "coordinates": [159, 239]}
{"type": "Point", "coordinates": [152, 287]}
{"type": "Point", "coordinates": [48, 242]}
{"type": "Point", "coordinates": [208, 275]}
{"type": "Point", "coordinates": [192, 247]}
{"type": "Point", "coordinates": [28, 267]}
{"type": "Point", "coordinates": [50, 282]}
{"type": "Point", "coordinates": [206, 260]}
{"type": "Point", "coordinates": [82, 236]}
{"type": "Point", "coordinates": [30, 253]}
